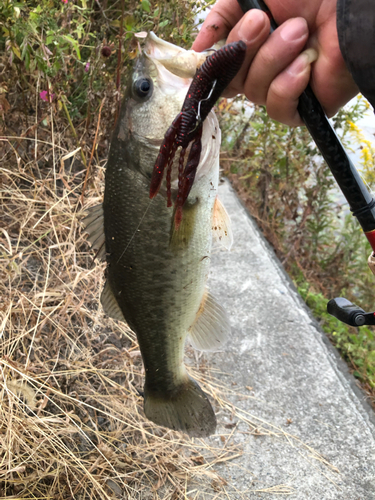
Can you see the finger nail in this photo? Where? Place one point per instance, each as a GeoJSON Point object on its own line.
{"type": "Point", "coordinates": [294, 29]}
{"type": "Point", "coordinates": [251, 26]}
{"type": "Point", "coordinates": [300, 64]}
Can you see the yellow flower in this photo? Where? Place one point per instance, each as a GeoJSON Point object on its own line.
{"type": "Point", "coordinates": [366, 155]}
{"type": "Point", "coordinates": [353, 127]}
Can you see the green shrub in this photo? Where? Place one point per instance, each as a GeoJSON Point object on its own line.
{"type": "Point", "coordinates": [69, 50]}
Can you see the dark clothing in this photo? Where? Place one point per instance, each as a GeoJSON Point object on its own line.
{"type": "Point", "coordinates": [356, 30]}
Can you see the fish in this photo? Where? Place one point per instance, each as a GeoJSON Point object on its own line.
{"type": "Point", "coordinates": [156, 276]}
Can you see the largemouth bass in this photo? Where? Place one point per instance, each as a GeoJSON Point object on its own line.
{"type": "Point", "coordinates": [156, 274]}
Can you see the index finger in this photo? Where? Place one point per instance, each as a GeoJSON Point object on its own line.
{"type": "Point", "coordinates": [223, 16]}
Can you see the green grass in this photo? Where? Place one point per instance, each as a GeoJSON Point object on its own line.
{"type": "Point", "coordinates": [357, 345]}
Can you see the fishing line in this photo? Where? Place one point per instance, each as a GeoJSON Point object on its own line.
{"type": "Point", "coordinates": [131, 239]}
{"type": "Point", "coordinates": [198, 117]}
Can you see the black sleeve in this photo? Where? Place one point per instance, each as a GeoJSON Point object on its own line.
{"type": "Point", "coordinates": [356, 31]}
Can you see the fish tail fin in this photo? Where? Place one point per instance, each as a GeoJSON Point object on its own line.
{"type": "Point", "coordinates": [185, 409]}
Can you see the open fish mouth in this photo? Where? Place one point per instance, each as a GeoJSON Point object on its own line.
{"type": "Point", "coordinates": [180, 62]}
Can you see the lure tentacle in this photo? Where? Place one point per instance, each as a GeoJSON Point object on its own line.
{"type": "Point", "coordinates": [166, 154]}
{"type": "Point", "coordinates": [188, 175]}
{"type": "Point", "coordinates": [209, 82]}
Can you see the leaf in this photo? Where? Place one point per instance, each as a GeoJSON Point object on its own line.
{"type": "Point", "coordinates": [163, 23]}
{"type": "Point", "coordinates": [74, 43]}
{"type": "Point", "coordinates": [146, 6]}
{"type": "Point", "coordinates": [282, 162]}
{"type": "Point", "coordinates": [4, 105]}
{"type": "Point", "coordinates": [16, 51]}
{"type": "Point", "coordinates": [129, 23]}
{"type": "Point", "coordinates": [27, 59]}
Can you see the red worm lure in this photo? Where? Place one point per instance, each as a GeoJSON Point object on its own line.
{"type": "Point", "coordinates": [209, 82]}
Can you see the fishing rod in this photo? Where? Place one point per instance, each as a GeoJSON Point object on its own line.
{"type": "Point", "coordinates": [361, 201]}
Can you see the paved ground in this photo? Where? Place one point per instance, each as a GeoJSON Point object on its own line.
{"type": "Point", "coordinates": [315, 436]}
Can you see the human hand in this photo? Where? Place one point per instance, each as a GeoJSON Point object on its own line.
{"type": "Point", "coordinates": [277, 68]}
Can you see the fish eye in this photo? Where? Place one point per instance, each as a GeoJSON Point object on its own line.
{"type": "Point", "coordinates": [142, 88]}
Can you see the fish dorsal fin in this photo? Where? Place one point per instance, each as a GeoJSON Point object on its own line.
{"type": "Point", "coordinates": [211, 328]}
{"type": "Point", "coordinates": [221, 226]}
{"type": "Point", "coordinates": [110, 304]}
{"type": "Point", "coordinates": [94, 226]}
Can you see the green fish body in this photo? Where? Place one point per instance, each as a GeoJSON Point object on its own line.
{"type": "Point", "coordinates": [156, 275]}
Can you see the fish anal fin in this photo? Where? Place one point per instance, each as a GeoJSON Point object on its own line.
{"type": "Point", "coordinates": [110, 304]}
{"type": "Point", "coordinates": [211, 328]}
{"type": "Point", "coordinates": [93, 224]}
{"type": "Point", "coordinates": [186, 409]}
{"type": "Point", "coordinates": [221, 226]}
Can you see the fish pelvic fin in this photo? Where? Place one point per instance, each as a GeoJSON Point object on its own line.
{"type": "Point", "coordinates": [211, 328]}
{"type": "Point", "coordinates": [110, 304]}
{"type": "Point", "coordinates": [93, 224]}
{"type": "Point", "coordinates": [185, 409]}
{"type": "Point", "coordinates": [221, 226]}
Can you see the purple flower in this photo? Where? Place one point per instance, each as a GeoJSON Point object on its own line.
{"type": "Point", "coordinates": [87, 67]}
{"type": "Point", "coordinates": [44, 96]}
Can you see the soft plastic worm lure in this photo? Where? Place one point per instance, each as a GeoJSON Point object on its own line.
{"type": "Point", "coordinates": [209, 82]}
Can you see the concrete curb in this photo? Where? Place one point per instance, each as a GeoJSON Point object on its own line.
{"type": "Point", "coordinates": [315, 433]}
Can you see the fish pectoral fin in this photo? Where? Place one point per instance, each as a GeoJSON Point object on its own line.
{"type": "Point", "coordinates": [211, 328]}
{"type": "Point", "coordinates": [110, 304]}
{"type": "Point", "coordinates": [185, 409]}
{"type": "Point", "coordinates": [221, 225]}
{"type": "Point", "coordinates": [180, 238]}
{"type": "Point", "coordinates": [93, 224]}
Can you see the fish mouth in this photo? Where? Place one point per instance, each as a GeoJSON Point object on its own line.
{"type": "Point", "coordinates": [180, 62]}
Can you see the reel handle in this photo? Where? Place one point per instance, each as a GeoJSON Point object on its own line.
{"type": "Point", "coordinates": [349, 313]}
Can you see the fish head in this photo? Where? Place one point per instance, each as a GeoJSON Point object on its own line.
{"type": "Point", "coordinates": [156, 91]}
{"type": "Point", "coordinates": [156, 96]}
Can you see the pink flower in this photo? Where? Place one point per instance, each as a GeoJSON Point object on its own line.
{"type": "Point", "coordinates": [87, 67]}
{"type": "Point", "coordinates": [64, 1]}
{"type": "Point", "coordinates": [44, 96]}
